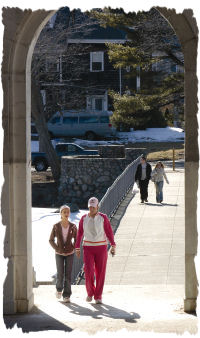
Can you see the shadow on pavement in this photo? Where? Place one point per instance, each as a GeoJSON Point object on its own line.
{"type": "Point", "coordinates": [34, 321]}
{"type": "Point", "coordinates": [119, 213]}
{"type": "Point", "coordinates": [161, 204]}
{"type": "Point", "coordinates": [101, 311]}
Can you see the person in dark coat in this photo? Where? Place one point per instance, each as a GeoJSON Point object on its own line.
{"type": "Point", "coordinates": [142, 177]}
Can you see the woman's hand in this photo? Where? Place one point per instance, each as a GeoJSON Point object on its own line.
{"type": "Point", "coordinates": [78, 253]}
{"type": "Point", "coordinates": [112, 250]}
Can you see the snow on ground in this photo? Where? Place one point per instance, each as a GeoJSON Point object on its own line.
{"type": "Point", "coordinates": [168, 134]}
{"type": "Point", "coordinates": [43, 220]}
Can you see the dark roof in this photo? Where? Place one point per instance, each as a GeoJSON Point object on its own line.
{"type": "Point", "coordinates": [99, 32]}
{"type": "Point", "coordinates": [90, 29]}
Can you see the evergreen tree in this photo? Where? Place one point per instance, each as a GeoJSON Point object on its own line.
{"type": "Point", "coordinates": [147, 33]}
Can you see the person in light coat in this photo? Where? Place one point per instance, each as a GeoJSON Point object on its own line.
{"type": "Point", "coordinates": [157, 176]}
{"type": "Point", "coordinates": [96, 231]}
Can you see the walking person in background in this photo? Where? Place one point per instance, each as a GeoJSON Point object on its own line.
{"type": "Point", "coordinates": [65, 232]}
{"type": "Point", "coordinates": [142, 177]}
{"type": "Point", "coordinates": [157, 176]}
{"type": "Point", "coordinates": [95, 228]}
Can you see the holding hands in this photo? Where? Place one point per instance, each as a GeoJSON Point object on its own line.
{"type": "Point", "coordinates": [78, 253]}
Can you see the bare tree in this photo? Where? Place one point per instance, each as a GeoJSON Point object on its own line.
{"type": "Point", "coordinates": [52, 45]}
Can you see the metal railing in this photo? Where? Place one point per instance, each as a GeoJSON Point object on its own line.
{"type": "Point", "coordinates": [111, 201]}
{"type": "Point", "coordinates": [119, 189]}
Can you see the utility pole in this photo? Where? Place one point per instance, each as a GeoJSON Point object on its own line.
{"type": "Point", "coordinates": [120, 81]}
{"type": "Point", "coordinates": [138, 79]}
{"type": "Point", "coordinates": [173, 160]}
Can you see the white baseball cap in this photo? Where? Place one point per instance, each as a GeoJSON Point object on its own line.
{"type": "Point", "coordinates": [93, 202]}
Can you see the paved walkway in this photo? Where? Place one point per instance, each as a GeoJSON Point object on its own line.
{"type": "Point", "coordinates": [150, 238]}
{"type": "Point", "coordinates": [144, 287]}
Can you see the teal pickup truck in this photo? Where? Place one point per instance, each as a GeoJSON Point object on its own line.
{"type": "Point", "coordinates": [40, 162]}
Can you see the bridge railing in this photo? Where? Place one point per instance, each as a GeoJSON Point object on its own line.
{"type": "Point", "coordinates": [119, 189]}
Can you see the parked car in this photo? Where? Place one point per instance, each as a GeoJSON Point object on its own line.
{"type": "Point", "coordinates": [40, 162]}
{"type": "Point", "coordinates": [88, 124]}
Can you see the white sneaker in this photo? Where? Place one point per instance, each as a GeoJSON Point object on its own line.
{"type": "Point", "coordinates": [98, 301]}
{"type": "Point", "coordinates": [88, 299]}
{"type": "Point", "coordinates": [58, 294]}
{"type": "Point", "coordinates": [66, 299]}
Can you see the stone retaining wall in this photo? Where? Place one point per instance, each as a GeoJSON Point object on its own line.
{"type": "Point", "coordinates": [132, 153]}
{"type": "Point", "coordinates": [111, 151]}
{"type": "Point", "coordinates": [83, 178]}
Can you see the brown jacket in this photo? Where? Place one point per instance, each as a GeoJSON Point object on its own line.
{"type": "Point", "coordinates": [60, 246]}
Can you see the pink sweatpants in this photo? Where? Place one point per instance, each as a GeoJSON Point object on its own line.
{"type": "Point", "coordinates": [95, 260]}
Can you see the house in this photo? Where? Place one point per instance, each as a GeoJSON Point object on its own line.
{"type": "Point", "coordinates": [80, 76]}
{"type": "Point", "coordinates": [77, 75]}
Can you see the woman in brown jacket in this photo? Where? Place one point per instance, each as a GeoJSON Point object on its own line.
{"type": "Point", "coordinates": [65, 233]}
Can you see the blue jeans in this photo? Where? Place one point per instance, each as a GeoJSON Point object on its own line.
{"type": "Point", "coordinates": [159, 191]}
{"type": "Point", "coordinates": [64, 271]}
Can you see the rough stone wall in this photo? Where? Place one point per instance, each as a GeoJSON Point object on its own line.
{"type": "Point", "coordinates": [111, 151]}
{"type": "Point", "coordinates": [132, 153]}
{"type": "Point", "coordinates": [83, 178]}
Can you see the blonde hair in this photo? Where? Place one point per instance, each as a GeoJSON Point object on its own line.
{"type": "Point", "coordinates": [159, 162]}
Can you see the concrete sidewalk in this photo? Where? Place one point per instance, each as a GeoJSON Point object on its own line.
{"type": "Point", "coordinates": [150, 238]}
{"type": "Point", "coordinates": [144, 287]}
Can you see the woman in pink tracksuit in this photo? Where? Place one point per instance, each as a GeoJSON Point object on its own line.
{"type": "Point", "coordinates": [95, 229]}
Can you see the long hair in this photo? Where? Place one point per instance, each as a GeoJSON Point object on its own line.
{"type": "Point", "coordinates": [159, 162]}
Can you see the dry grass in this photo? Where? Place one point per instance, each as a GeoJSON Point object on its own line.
{"type": "Point", "coordinates": [166, 155]}
{"type": "Point", "coordinates": [156, 151]}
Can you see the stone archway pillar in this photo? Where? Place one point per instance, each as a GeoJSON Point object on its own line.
{"type": "Point", "coordinates": [20, 34]}
{"type": "Point", "coordinates": [186, 29]}
{"type": "Point", "coordinates": [21, 31]}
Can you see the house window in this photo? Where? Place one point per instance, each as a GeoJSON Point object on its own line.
{"type": "Point", "coordinates": [52, 64]}
{"type": "Point", "coordinates": [97, 61]}
{"type": "Point", "coordinates": [97, 102]}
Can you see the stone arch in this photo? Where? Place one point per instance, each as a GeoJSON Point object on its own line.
{"type": "Point", "coordinates": [22, 29]}
{"type": "Point", "coordinates": [186, 29]}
